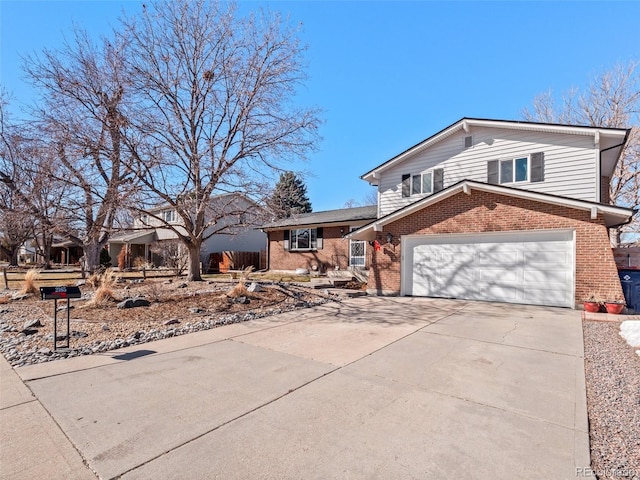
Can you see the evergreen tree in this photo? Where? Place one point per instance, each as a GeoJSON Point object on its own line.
{"type": "Point", "coordinates": [289, 196]}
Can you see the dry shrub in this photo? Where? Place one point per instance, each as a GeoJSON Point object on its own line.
{"type": "Point", "coordinates": [4, 300]}
{"type": "Point", "coordinates": [29, 283]}
{"type": "Point", "coordinates": [104, 293]}
{"type": "Point", "coordinates": [94, 280]}
{"type": "Point", "coordinates": [240, 289]}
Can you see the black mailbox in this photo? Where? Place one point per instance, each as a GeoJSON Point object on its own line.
{"type": "Point", "coordinates": [58, 293]}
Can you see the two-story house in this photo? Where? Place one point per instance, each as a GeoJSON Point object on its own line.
{"type": "Point", "coordinates": [497, 210]}
{"type": "Point", "coordinates": [234, 219]}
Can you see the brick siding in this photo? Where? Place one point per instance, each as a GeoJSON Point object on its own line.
{"type": "Point", "coordinates": [489, 212]}
{"type": "Point", "coordinates": [334, 252]}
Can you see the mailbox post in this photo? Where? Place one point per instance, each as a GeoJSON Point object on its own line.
{"type": "Point", "coordinates": [55, 294]}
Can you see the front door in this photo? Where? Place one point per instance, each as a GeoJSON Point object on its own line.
{"type": "Point", "coordinates": [357, 253]}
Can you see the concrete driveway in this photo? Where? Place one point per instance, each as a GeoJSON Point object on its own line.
{"type": "Point", "coordinates": [368, 388]}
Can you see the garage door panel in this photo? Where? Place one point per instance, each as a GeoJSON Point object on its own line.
{"type": "Point", "coordinates": [535, 268]}
{"type": "Point", "coordinates": [546, 277]}
{"type": "Point", "coordinates": [494, 274]}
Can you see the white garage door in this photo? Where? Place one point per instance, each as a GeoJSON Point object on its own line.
{"type": "Point", "coordinates": [534, 268]}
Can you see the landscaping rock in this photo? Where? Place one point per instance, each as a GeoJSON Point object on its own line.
{"type": "Point", "coordinates": [254, 288]}
{"type": "Point", "coordinates": [242, 300]}
{"type": "Point", "coordinates": [29, 331]}
{"type": "Point", "coordinates": [32, 324]}
{"type": "Point", "coordinates": [302, 271]}
{"type": "Point", "coordinates": [173, 321]}
{"type": "Point", "coordinates": [197, 310]}
{"type": "Point", "coordinates": [81, 283]}
{"type": "Point", "coordinates": [182, 285]}
{"type": "Point", "coordinates": [134, 302]}
{"type": "Point", "coordinates": [20, 296]}
{"type": "Point", "coordinates": [64, 307]}
{"type": "Point", "coordinates": [105, 328]}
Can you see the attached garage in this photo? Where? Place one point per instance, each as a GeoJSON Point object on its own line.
{"type": "Point", "coordinates": [533, 267]}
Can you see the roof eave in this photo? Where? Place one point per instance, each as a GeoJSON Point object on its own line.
{"type": "Point", "coordinates": [613, 215]}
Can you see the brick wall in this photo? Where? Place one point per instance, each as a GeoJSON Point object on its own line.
{"type": "Point", "coordinates": [488, 212]}
{"type": "Point", "coordinates": [334, 252]}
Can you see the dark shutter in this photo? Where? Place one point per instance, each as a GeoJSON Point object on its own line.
{"type": "Point", "coordinates": [319, 232]}
{"type": "Point", "coordinates": [406, 185]}
{"type": "Point", "coordinates": [438, 180]}
{"type": "Point", "coordinates": [537, 167]}
{"type": "Point", "coordinates": [286, 239]}
{"type": "Point", "coordinates": [493, 172]}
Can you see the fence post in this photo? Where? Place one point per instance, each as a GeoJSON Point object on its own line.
{"type": "Point", "coordinates": [6, 280]}
{"type": "Point", "coordinates": [144, 273]}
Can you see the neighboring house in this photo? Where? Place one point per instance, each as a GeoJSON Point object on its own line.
{"type": "Point", "coordinates": [235, 231]}
{"type": "Point", "coordinates": [500, 211]}
{"type": "Point", "coordinates": [316, 241]}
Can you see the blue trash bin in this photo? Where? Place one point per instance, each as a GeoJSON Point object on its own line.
{"type": "Point", "coordinates": [630, 281]}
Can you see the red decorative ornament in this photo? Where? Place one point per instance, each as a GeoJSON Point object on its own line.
{"type": "Point", "coordinates": [376, 245]}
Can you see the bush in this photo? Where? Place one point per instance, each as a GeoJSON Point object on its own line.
{"type": "Point", "coordinates": [105, 258]}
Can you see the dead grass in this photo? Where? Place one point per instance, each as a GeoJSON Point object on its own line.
{"type": "Point", "coordinates": [29, 282]}
{"type": "Point", "coordinates": [104, 292]}
{"type": "Point", "coordinates": [239, 290]}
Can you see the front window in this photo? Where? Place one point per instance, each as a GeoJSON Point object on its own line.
{"type": "Point", "coordinates": [304, 239]}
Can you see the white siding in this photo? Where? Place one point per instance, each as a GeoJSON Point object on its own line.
{"type": "Point", "coordinates": [570, 163]}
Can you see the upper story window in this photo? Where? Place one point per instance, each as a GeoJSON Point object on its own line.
{"type": "Point", "coordinates": [515, 170]}
{"type": "Point", "coordinates": [423, 183]}
{"type": "Point", "coordinates": [168, 216]}
{"type": "Point", "coordinates": [144, 219]}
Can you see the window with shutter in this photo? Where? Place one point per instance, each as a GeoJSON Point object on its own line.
{"type": "Point", "coordinates": [286, 240]}
{"type": "Point", "coordinates": [468, 142]}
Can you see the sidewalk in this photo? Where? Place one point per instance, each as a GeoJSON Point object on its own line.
{"type": "Point", "coordinates": [32, 445]}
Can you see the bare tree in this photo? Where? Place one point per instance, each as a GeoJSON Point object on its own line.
{"type": "Point", "coordinates": [82, 93]}
{"type": "Point", "coordinates": [16, 225]}
{"type": "Point", "coordinates": [611, 100]}
{"type": "Point", "coordinates": [213, 110]}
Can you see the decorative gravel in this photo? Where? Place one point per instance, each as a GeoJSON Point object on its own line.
{"type": "Point", "coordinates": [26, 326]}
{"type": "Point", "coordinates": [612, 371]}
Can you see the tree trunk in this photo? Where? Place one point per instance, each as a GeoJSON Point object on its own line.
{"type": "Point", "coordinates": [13, 260]}
{"type": "Point", "coordinates": [194, 263]}
{"type": "Point", "coordinates": [91, 256]}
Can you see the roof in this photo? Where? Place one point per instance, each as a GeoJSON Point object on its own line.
{"type": "Point", "coordinates": [613, 215]}
{"type": "Point", "coordinates": [142, 236]}
{"type": "Point", "coordinates": [341, 216]}
{"type": "Point", "coordinates": [615, 135]}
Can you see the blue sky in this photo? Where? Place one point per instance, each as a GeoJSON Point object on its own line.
{"type": "Point", "coordinates": [389, 74]}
